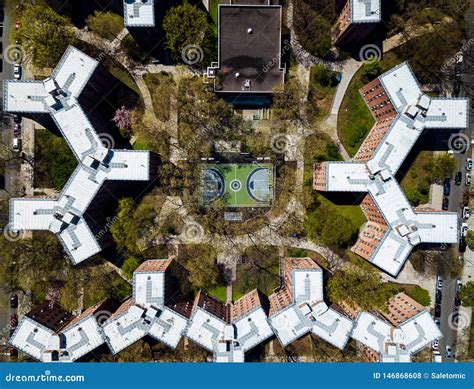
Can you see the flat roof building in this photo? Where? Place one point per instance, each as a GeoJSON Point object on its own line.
{"type": "Point", "coordinates": [228, 330]}
{"type": "Point", "coordinates": [65, 215]}
{"type": "Point", "coordinates": [249, 49]}
{"type": "Point", "coordinates": [356, 20]}
{"type": "Point", "coordinates": [139, 13]}
{"type": "Point", "coordinates": [394, 227]}
{"type": "Point", "coordinates": [298, 308]}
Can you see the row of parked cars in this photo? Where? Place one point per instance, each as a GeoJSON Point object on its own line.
{"type": "Point", "coordinates": [13, 324]}
{"type": "Point", "coordinates": [457, 181]}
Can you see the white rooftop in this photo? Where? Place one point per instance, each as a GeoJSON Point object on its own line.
{"type": "Point", "coordinates": [309, 313]}
{"type": "Point", "coordinates": [396, 344]}
{"type": "Point", "coordinates": [68, 345]}
{"type": "Point", "coordinates": [365, 11]}
{"type": "Point", "coordinates": [407, 228]}
{"type": "Point", "coordinates": [139, 13]}
{"type": "Point", "coordinates": [58, 95]}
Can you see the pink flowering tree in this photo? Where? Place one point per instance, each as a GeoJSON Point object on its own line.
{"type": "Point", "coordinates": [122, 118]}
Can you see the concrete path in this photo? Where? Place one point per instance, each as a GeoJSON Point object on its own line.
{"type": "Point", "coordinates": [329, 126]}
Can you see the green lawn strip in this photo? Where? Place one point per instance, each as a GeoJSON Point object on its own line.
{"type": "Point", "coordinates": [354, 120]}
{"type": "Point", "coordinates": [54, 160]}
{"type": "Point", "coordinates": [352, 212]}
{"type": "Point", "coordinates": [219, 292]}
{"type": "Point", "coordinates": [214, 10]}
{"type": "Point", "coordinates": [416, 183]}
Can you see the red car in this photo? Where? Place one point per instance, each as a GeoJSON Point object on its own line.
{"type": "Point", "coordinates": [13, 320]}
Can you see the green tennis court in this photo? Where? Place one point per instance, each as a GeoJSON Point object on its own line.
{"type": "Point", "coordinates": [242, 185]}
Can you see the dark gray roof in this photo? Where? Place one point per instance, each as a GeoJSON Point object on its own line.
{"type": "Point", "coordinates": [254, 56]}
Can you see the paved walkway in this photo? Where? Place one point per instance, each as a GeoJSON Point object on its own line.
{"type": "Point", "coordinates": [329, 126]}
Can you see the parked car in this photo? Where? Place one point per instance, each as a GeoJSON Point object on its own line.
{"type": "Point", "coordinates": [439, 283]}
{"type": "Point", "coordinates": [437, 310]}
{"type": "Point", "coordinates": [458, 285]}
{"type": "Point", "coordinates": [17, 130]}
{"type": "Point", "coordinates": [462, 246]}
{"type": "Point", "coordinates": [439, 297]}
{"type": "Point", "coordinates": [464, 229]}
{"type": "Point", "coordinates": [458, 178]}
{"type": "Point", "coordinates": [448, 353]}
{"type": "Point", "coordinates": [14, 301]}
{"type": "Point", "coordinates": [447, 187]}
{"type": "Point", "coordinates": [468, 179]}
{"type": "Point", "coordinates": [457, 301]}
{"type": "Point", "coordinates": [13, 352]}
{"type": "Point", "coordinates": [17, 118]}
{"type": "Point", "coordinates": [17, 71]}
{"type": "Point", "coordinates": [445, 203]}
{"type": "Point", "coordinates": [435, 345]}
{"type": "Point", "coordinates": [466, 213]}
{"type": "Point", "coordinates": [468, 164]}
{"type": "Point", "coordinates": [16, 144]}
{"type": "Point", "coordinates": [437, 322]}
{"type": "Point", "coordinates": [13, 320]}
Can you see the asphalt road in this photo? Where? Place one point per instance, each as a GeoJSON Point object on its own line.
{"type": "Point", "coordinates": [449, 288]}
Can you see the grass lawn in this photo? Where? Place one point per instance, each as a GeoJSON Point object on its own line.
{"type": "Point", "coordinates": [214, 10]}
{"type": "Point", "coordinates": [352, 212]}
{"type": "Point", "coordinates": [242, 185]}
{"type": "Point", "coordinates": [354, 120]}
{"type": "Point", "coordinates": [415, 182]}
{"type": "Point", "coordinates": [320, 96]}
{"type": "Point", "coordinates": [219, 292]}
{"type": "Point", "coordinates": [54, 160]}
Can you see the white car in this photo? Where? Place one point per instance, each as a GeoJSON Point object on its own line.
{"type": "Point", "coordinates": [468, 164]}
{"type": "Point", "coordinates": [466, 213]}
{"type": "Point", "coordinates": [468, 179]}
{"type": "Point", "coordinates": [16, 144]}
{"type": "Point", "coordinates": [439, 283]}
{"type": "Point", "coordinates": [435, 345]}
{"type": "Point", "coordinates": [464, 229]}
{"type": "Point", "coordinates": [17, 71]}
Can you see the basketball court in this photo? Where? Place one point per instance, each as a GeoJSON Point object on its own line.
{"type": "Point", "coordinates": [242, 185]}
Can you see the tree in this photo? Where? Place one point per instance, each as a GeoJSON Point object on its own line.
{"type": "Point", "coordinates": [467, 294]}
{"type": "Point", "coordinates": [122, 118]}
{"type": "Point", "coordinates": [312, 29]}
{"type": "Point", "coordinates": [186, 27]}
{"type": "Point", "coordinates": [105, 24]}
{"type": "Point", "coordinates": [359, 287]}
{"type": "Point", "coordinates": [470, 239]}
{"type": "Point", "coordinates": [341, 232]}
{"type": "Point", "coordinates": [131, 224]}
{"type": "Point", "coordinates": [200, 262]}
{"type": "Point", "coordinates": [44, 34]}
{"type": "Point", "coordinates": [287, 101]}
{"type": "Point", "coordinates": [420, 295]}
{"type": "Point", "coordinates": [129, 266]}
{"type": "Point", "coordinates": [441, 166]}
{"type": "Point", "coordinates": [260, 269]}
{"type": "Point", "coordinates": [371, 70]}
